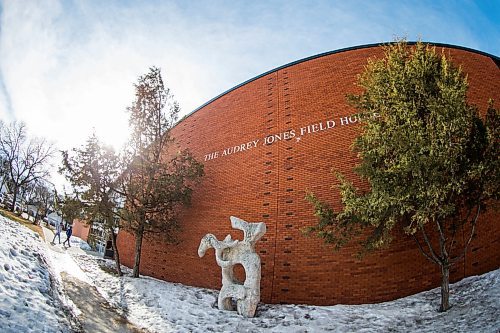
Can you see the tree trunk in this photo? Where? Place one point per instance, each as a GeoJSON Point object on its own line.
{"type": "Point", "coordinates": [14, 199]}
{"type": "Point", "coordinates": [2, 184]}
{"type": "Point", "coordinates": [116, 254]}
{"type": "Point", "coordinates": [138, 248]}
{"type": "Point", "coordinates": [445, 288]}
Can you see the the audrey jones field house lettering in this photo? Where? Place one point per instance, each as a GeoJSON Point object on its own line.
{"type": "Point", "coordinates": [265, 144]}
{"type": "Point", "coordinates": [287, 135]}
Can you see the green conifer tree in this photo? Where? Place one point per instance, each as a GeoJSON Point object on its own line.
{"type": "Point", "coordinates": [93, 171]}
{"type": "Point", "coordinates": [158, 178]}
{"type": "Point", "coordinates": [431, 162]}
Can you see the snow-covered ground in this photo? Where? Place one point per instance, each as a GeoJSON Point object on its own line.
{"type": "Point", "coordinates": [32, 299]}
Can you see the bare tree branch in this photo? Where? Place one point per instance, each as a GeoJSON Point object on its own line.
{"type": "Point", "coordinates": [469, 240]}
{"type": "Point", "coordinates": [423, 251]}
{"type": "Point", "coordinates": [429, 245]}
{"type": "Point", "coordinates": [27, 158]}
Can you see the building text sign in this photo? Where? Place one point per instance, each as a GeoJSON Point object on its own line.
{"type": "Point", "coordinates": [293, 134]}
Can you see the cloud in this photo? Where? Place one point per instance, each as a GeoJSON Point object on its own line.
{"type": "Point", "coordinates": [68, 67]}
{"type": "Point", "coordinates": [6, 111]}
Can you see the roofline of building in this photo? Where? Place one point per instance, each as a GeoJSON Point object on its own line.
{"type": "Point", "coordinates": [359, 47]}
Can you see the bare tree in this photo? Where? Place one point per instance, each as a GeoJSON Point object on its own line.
{"type": "Point", "coordinates": [43, 200]}
{"type": "Point", "coordinates": [4, 172]}
{"type": "Point", "coordinates": [26, 157]}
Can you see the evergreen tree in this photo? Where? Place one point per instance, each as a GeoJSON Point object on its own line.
{"type": "Point", "coordinates": [431, 162]}
{"type": "Point", "coordinates": [70, 207]}
{"type": "Point", "coordinates": [93, 170]}
{"type": "Point", "coordinates": [158, 179]}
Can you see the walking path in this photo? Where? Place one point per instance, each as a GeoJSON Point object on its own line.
{"type": "Point", "coordinates": [97, 315]}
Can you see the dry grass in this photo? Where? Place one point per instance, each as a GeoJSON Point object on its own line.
{"type": "Point", "coordinates": [26, 223]}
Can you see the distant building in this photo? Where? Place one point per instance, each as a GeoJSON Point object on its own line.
{"type": "Point", "coordinates": [80, 229]}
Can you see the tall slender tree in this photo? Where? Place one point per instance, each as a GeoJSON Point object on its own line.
{"type": "Point", "coordinates": [431, 162]}
{"type": "Point", "coordinates": [93, 170]}
{"type": "Point", "coordinates": [158, 179]}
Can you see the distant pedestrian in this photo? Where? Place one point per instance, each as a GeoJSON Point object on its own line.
{"type": "Point", "coordinates": [69, 232]}
{"type": "Point", "coordinates": [58, 232]}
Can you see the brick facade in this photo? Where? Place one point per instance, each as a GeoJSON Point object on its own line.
{"type": "Point", "coordinates": [81, 229]}
{"type": "Point", "coordinates": [302, 108]}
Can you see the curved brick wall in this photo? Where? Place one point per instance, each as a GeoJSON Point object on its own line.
{"type": "Point", "coordinates": [301, 109]}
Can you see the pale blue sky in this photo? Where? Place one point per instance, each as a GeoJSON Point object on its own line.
{"type": "Point", "coordinates": [69, 66]}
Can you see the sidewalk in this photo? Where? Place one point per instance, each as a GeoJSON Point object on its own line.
{"type": "Point", "coordinates": [96, 314]}
{"type": "Point", "coordinates": [73, 249]}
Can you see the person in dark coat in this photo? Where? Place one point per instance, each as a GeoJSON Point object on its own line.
{"type": "Point", "coordinates": [69, 232]}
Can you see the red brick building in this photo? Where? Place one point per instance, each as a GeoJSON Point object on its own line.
{"type": "Point", "coordinates": [81, 229]}
{"type": "Point", "coordinates": [264, 144]}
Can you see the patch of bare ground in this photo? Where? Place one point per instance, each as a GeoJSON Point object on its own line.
{"type": "Point", "coordinates": [97, 315]}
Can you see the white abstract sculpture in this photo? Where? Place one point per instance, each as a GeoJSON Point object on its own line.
{"type": "Point", "coordinates": [230, 252]}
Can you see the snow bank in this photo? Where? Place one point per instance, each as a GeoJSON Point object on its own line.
{"type": "Point", "coordinates": [168, 307]}
{"type": "Point", "coordinates": [28, 301]}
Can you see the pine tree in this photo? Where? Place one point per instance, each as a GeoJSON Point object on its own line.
{"type": "Point", "coordinates": [93, 171]}
{"type": "Point", "coordinates": [158, 179]}
{"type": "Point", "coordinates": [431, 162]}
